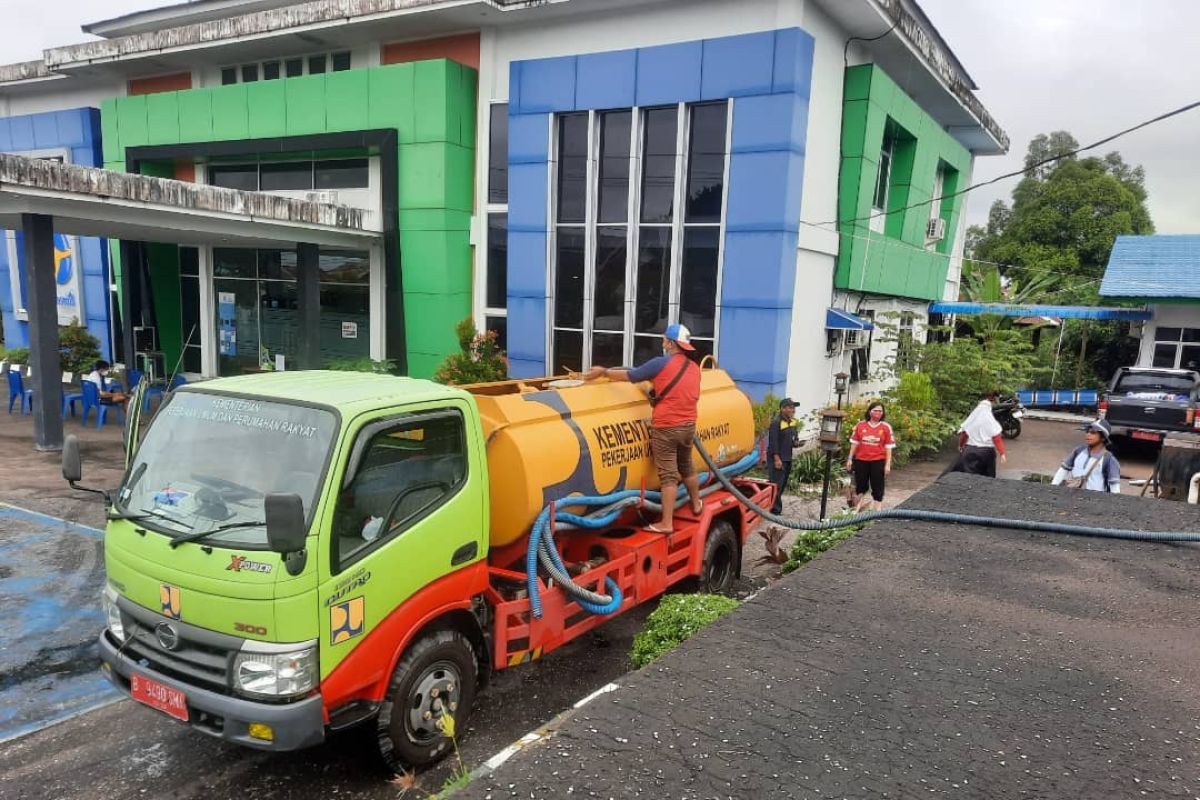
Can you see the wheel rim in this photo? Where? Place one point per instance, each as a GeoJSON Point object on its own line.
{"type": "Point", "coordinates": [436, 692]}
{"type": "Point", "coordinates": [719, 568]}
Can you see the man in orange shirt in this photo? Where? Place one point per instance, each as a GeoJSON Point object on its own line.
{"type": "Point", "coordinates": [675, 396]}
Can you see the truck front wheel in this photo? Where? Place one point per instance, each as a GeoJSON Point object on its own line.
{"type": "Point", "coordinates": [720, 566]}
{"type": "Point", "coordinates": [436, 677]}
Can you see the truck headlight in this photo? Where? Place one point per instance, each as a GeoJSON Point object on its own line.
{"type": "Point", "coordinates": [276, 674]}
{"type": "Point", "coordinates": [112, 613]}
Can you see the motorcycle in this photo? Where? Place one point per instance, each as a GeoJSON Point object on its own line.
{"type": "Point", "coordinates": [1008, 412]}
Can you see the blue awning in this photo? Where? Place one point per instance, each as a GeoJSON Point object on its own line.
{"type": "Point", "coordinates": [1060, 312]}
{"type": "Point", "coordinates": [841, 320]}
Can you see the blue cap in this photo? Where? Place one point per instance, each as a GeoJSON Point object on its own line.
{"type": "Point", "coordinates": [680, 335]}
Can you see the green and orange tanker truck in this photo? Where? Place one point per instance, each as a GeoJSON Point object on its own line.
{"type": "Point", "coordinates": [290, 554]}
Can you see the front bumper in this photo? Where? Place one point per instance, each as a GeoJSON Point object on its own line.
{"type": "Point", "coordinates": [296, 725]}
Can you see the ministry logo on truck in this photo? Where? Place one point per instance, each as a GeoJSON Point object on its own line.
{"type": "Point", "coordinates": [168, 597]}
{"type": "Point", "coordinates": [347, 620]}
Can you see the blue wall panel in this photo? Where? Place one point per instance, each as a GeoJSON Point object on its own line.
{"type": "Point", "coordinates": [526, 264]}
{"type": "Point", "coordinates": [738, 66]}
{"type": "Point", "coordinates": [527, 197]}
{"type": "Point", "coordinates": [547, 84]}
{"type": "Point", "coordinates": [528, 138]}
{"type": "Point", "coordinates": [768, 75]}
{"type": "Point", "coordinates": [78, 132]}
{"type": "Point", "coordinates": [669, 73]}
{"type": "Point", "coordinates": [756, 272]}
{"type": "Point", "coordinates": [527, 330]}
{"type": "Point", "coordinates": [793, 62]}
{"type": "Point", "coordinates": [606, 80]}
{"type": "Point", "coordinates": [769, 122]}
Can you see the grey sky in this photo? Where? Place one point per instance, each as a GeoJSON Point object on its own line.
{"type": "Point", "coordinates": [1088, 66]}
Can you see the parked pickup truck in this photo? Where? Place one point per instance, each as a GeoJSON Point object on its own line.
{"type": "Point", "coordinates": [1148, 403]}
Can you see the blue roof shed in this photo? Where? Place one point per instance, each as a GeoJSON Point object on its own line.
{"type": "Point", "coordinates": [1165, 267]}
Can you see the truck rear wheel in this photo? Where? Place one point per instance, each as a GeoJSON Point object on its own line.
{"type": "Point", "coordinates": [437, 676]}
{"type": "Point", "coordinates": [720, 567]}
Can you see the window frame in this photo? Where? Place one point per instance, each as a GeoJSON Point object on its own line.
{"type": "Point", "coordinates": [282, 63]}
{"type": "Point", "coordinates": [1178, 344]}
{"type": "Point", "coordinates": [484, 311]}
{"type": "Point", "coordinates": [362, 442]}
{"type": "Point", "coordinates": [678, 226]}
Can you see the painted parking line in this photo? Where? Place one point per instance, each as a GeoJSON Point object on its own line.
{"type": "Point", "coordinates": [51, 575]}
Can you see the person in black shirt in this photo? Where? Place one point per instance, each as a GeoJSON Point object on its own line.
{"type": "Point", "coordinates": [783, 435]}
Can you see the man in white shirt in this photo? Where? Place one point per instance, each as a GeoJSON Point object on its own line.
{"type": "Point", "coordinates": [97, 376]}
{"type": "Point", "coordinates": [979, 441]}
{"type": "Point", "coordinates": [1091, 466]}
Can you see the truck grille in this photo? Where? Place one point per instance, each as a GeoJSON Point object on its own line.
{"type": "Point", "coordinates": [189, 660]}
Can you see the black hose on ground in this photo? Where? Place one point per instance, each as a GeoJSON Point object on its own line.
{"type": "Point", "coordinates": [941, 516]}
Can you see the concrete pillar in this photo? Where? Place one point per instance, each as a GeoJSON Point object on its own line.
{"type": "Point", "coordinates": [42, 301]}
{"type": "Point", "coordinates": [308, 297]}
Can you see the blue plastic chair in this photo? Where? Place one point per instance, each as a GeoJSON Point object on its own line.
{"type": "Point", "coordinates": [91, 399]}
{"type": "Point", "coordinates": [135, 378]}
{"type": "Point", "coordinates": [69, 400]}
{"type": "Point", "coordinates": [178, 381]}
{"type": "Point", "coordinates": [16, 389]}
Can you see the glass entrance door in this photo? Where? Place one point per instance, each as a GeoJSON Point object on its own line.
{"type": "Point", "coordinates": [257, 315]}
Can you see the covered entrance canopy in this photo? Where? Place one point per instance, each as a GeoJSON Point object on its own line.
{"type": "Point", "coordinates": [41, 198]}
{"type": "Point", "coordinates": [1060, 312]}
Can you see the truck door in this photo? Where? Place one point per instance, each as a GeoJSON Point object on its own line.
{"type": "Point", "coordinates": [408, 512]}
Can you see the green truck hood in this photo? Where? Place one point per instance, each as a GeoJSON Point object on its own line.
{"type": "Point", "coordinates": [246, 593]}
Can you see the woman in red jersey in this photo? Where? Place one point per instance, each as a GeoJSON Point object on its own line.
{"type": "Point", "coordinates": [870, 458]}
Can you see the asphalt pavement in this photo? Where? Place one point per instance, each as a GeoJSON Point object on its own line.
{"type": "Point", "coordinates": [919, 659]}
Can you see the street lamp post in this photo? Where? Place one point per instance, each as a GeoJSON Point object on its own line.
{"type": "Point", "coordinates": [840, 386]}
{"type": "Point", "coordinates": [831, 440]}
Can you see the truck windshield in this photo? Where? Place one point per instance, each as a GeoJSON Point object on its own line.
{"type": "Point", "coordinates": [209, 460]}
{"type": "Point", "coordinates": [1167, 382]}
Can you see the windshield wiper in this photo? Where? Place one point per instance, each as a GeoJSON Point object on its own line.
{"type": "Point", "coordinates": [149, 512]}
{"type": "Point", "coordinates": [198, 535]}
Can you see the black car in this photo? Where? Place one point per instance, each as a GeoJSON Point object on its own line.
{"type": "Point", "coordinates": [1147, 403]}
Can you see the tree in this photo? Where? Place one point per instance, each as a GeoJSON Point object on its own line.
{"type": "Point", "coordinates": [1064, 218]}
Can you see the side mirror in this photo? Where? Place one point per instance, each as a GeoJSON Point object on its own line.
{"type": "Point", "coordinates": [72, 464]}
{"type": "Point", "coordinates": [284, 514]}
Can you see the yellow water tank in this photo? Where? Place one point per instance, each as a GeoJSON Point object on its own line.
{"type": "Point", "coordinates": [550, 438]}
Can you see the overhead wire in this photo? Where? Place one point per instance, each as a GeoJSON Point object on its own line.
{"type": "Point", "coordinates": [1025, 169]}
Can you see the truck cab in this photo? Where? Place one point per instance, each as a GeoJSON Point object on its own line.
{"type": "Point", "coordinates": [268, 631]}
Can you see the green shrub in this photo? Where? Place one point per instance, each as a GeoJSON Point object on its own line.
{"type": "Point", "coordinates": [481, 359]}
{"type": "Point", "coordinates": [677, 617]}
{"type": "Point", "coordinates": [809, 467]}
{"type": "Point", "coordinates": [915, 391]}
{"type": "Point", "coordinates": [18, 355]}
{"type": "Point", "coordinates": [810, 544]}
{"type": "Point", "coordinates": [385, 367]}
{"type": "Point", "coordinates": [78, 350]}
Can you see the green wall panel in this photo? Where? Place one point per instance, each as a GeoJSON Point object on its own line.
{"type": "Point", "coordinates": [431, 106]}
{"type": "Point", "coordinates": [894, 262]}
{"type": "Point", "coordinates": [431, 319]}
{"type": "Point", "coordinates": [267, 105]}
{"type": "Point", "coordinates": [162, 118]}
{"type": "Point", "coordinates": [163, 261]}
{"type": "Point", "coordinates": [306, 110]}
{"type": "Point", "coordinates": [230, 114]}
{"type": "Point", "coordinates": [390, 95]}
{"type": "Point", "coordinates": [347, 101]}
{"type": "Point", "coordinates": [131, 120]}
{"type": "Point", "coordinates": [196, 115]}
{"type": "Point", "coordinates": [433, 80]}
{"type": "Point", "coordinates": [110, 130]}
{"type": "Point", "coordinates": [436, 262]}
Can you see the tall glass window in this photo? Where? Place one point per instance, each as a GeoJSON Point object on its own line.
{"type": "Point", "coordinates": [495, 289]}
{"type": "Point", "coordinates": [639, 216]}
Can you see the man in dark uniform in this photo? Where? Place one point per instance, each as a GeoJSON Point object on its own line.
{"type": "Point", "coordinates": [783, 435]}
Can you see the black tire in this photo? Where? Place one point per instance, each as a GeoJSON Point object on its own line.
{"type": "Point", "coordinates": [438, 665]}
{"type": "Point", "coordinates": [722, 560]}
{"type": "Point", "coordinates": [1011, 428]}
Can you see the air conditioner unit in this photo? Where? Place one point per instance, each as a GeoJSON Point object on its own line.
{"type": "Point", "coordinates": [328, 196]}
{"type": "Point", "coordinates": [854, 339]}
{"type": "Point", "coordinates": [936, 229]}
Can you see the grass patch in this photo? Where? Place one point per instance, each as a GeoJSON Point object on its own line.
{"type": "Point", "coordinates": [677, 618]}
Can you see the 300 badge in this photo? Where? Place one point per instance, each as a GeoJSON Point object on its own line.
{"type": "Point", "coordinates": [254, 630]}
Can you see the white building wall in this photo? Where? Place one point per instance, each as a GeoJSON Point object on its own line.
{"type": "Point", "coordinates": [1168, 316]}
{"type": "Point", "coordinates": [57, 96]}
{"type": "Point", "coordinates": [810, 370]}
